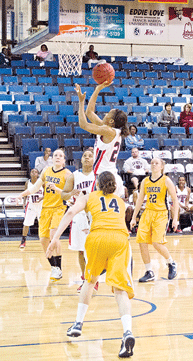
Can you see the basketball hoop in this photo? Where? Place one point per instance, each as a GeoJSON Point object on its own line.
{"type": "Point", "coordinates": [71, 42]}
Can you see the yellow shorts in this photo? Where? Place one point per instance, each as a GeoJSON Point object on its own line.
{"type": "Point", "coordinates": [152, 227]}
{"type": "Point", "coordinates": [110, 250]}
{"type": "Point", "coordinates": [50, 218]}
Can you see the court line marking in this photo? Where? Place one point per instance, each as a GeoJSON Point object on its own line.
{"type": "Point", "coordinates": [188, 335]}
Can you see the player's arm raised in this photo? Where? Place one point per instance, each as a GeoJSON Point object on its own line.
{"type": "Point", "coordinates": [104, 130]}
{"type": "Point", "coordinates": [138, 204]}
{"type": "Point", "coordinates": [90, 111]}
{"type": "Point", "coordinates": [172, 191]}
{"type": "Point", "coordinates": [67, 218]}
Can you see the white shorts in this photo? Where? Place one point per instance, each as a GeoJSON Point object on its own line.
{"type": "Point", "coordinates": [32, 211]}
{"type": "Point", "coordinates": [78, 232]}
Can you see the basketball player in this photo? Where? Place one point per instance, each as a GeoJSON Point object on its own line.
{"type": "Point", "coordinates": [53, 209]}
{"type": "Point", "coordinates": [153, 222]}
{"type": "Point", "coordinates": [79, 183]}
{"type": "Point", "coordinates": [106, 247]}
{"type": "Point", "coordinates": [109, 133]}
{"type": "Point", "coordinates": [33, 206]}
{"type": "Point", "coordinates": [183, 195]}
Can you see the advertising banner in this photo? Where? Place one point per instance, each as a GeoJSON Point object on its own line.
{"type": "Point", "coordinates": [181, 23]}
{"type": "Point", "coordinates": [165, 1]}
{"type": "Point", "coordinates": [108, 21]}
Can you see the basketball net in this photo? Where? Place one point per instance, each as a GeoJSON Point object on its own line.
{"type": "Point", "coordinates": [71, 43]}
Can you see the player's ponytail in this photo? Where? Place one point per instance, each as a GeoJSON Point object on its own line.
{"type": "Point", "coordinates": [120, 122]}
{"type": "Point", "coordinates": [107, 184]}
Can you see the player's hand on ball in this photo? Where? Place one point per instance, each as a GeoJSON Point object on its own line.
{"type": "Point", "coordinates": [79, 93]}
{"type": "Point", "coordinates": [104, 85]}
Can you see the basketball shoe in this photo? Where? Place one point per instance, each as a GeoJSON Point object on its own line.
{"type": "Point", "coordinates": [149, 276]}
{"type": "Point", "coordinates": [172, 270]}
{"type": "Point", "coordinates": [128, 342]}
{"type": "Point", "coordinates": [75, 330]}
{"type": "Point", "coordinates": [22, 244]}
{"type": "Point", "coordinates": [56, 273]}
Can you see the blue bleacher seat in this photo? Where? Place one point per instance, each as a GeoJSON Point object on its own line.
{"type": "Point", "coordinates": [70, 146]}
{"type": "Point", "coordinates": [186, 67]}
{"type": "Point", "coordinates": [88, 142]}
{"type": "Point", "coordinates": [163, 100]}
{"type": "Point", "coordinates": [16, 89]}
{"type": "Point", "coordinates": [29, 145]}
{"type": "Point", "coordinates": [51, 90]}
{"type": "Point", "coordinates": [179, 100]}
{"type": "Point", "coordinates": [72, 119]}
{"type": "Point", "coordinates": [72, 168]}
{"type": "Point", "coordinates": [185, 91]}
{"type": "Point", "coordinates": [9, 107]}
{"type": "Point", "coordinates": [167, 75]}
{"type": "Point", "coordinates": [27, 56]}
{"type": "Point", "coordinates": [151, 144]}
{"type": "Point", "coordinates": [32, 64]}
{"type": "Point", "coordinates": [145, 82]}
{"type": "Point", "coordinates": [45, 80]}
{"type": "Point", "coordinates": [18, 63]}
{"type": "Point", "coordinates": [48, 108]}
{"type": "Point", "coordinates": [155, 108]}
{"type": "Point", "coordinates": [5, 98]}
{"type": "Point", "coordinates": [33, 156]}
{"type": "Point", "coordinates": [122, 59]}
{"type": "Point", "coordinates": [128, 82]}
{"type": "Point", "coordinates": [50, 143]}
{"type": "Point", "coordinates": [178, 132]}
{"type": "Point", "coordinates": [64, 80]}
{"type": "Point", "coordinates": [65, 110]}
{"type": "Point", "coordinates": [181, 75]}
{"type": "Point", "coordinates": [154, 91]}
{"type": "Point", "coordinates": [187, 143]}
{"type": "Point", "coordinates": [34, 119]}
{"type": "Point", "coordinates": [176, 83]}
{"type": "Point", "coordinates": [189, 83]}
{"type": "Point", "coordinates": [21, 98]}
{"type": "Point", "coordinates": [139, 109]}
{"type": "Point", "coordinates": [120, 92]}
{"type": "Point", "coordinates": [65, 131]}
{"type": "Point", "coordinates": [40, 98]}
{"type": "Point", "coordinates": [160, 82]}
{"type": "Point", "coordinates": [54, 71]}
{"type": "Point", "coordinates": [170, 91]}
{"type": "Point", "coordinates": [103, 108]}
{"type": "Point", "coordinates": [34, 89]}
{"type": "Point", "coordinates": [10, 79]}
{"type": "Point", "coordinates": [51, 64]}
{"type": "Point", "coordinates": [137, 92]}
{"type": "Point", "coordinates": [146, 100]}
{"type": "Point", "coordinates": [128, 66]}
{"type": "Point", "coordinates": [5, 71]}
{"type": "Point", "coordinates": [23, 71]}
{"type": "Point", "coordinates": [136, 74]}
{"type": "Point", "coordinates": [120, 74]}
{"type": "Point", "coordinates": [143, 131]}
{"type": "Point", "coordinates": [143, 66]}
{"type": "Point", "coordinates": [38, 71]}
{"type": "Point", "coordinates": [41, 130]}
{"type": "Point", "coordinates": [151, 75]}
{"type": "Point", "coordinates": [28, 80]}
{"type": "Point", "coordinates": [28, 108]}
{"type": "Point", "coordinates": [3, 89]}
{"type": "Point", "coordinates": [160, 131]}
{"type": "Point", "coordinates": [16, 118]}
{"type": "Point", "coordinates": [132, 119]}
{"type": "Point", "coordinates": [21, 132]}
{"type": "Point", "coordinates": [76, 80]}
{"type": "Point", "coordinates": [107, 58]}
{"type": "Point", "coordinates": [111, 99]}
{"type": "Point", "coordinates": [172, 67]}
{"type": "Point", "coordinates": [58, 98]}
{"type": "Point", "coordinates": [171, 143]}
{"type": "Point", "coordinates": [158, 66]}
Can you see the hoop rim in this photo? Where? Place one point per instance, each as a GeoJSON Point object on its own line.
{"type": "Point", "coordinates": [71, 28]}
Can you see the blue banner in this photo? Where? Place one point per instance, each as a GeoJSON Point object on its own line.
{"type": "Point", "coordinates": [108, 21]}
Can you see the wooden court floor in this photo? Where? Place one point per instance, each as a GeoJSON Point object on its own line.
{"type": "Point", "coordinates": [35, 313]}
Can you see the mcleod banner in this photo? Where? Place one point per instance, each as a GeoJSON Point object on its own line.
{"type": "Point", "coordinates": [108, 21]}
{"type": "Point", "coordinates": [165, 1]}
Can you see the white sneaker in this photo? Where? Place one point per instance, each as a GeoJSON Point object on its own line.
{"type": "Point", "coordinates": [187, 229]}
{"type": "Point", "coordinates": [56, 273]}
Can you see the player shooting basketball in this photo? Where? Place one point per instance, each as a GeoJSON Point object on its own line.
{"type": "Point", "coordinates": [109, 133]}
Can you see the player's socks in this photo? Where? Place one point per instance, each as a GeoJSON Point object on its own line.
{"type": "Point", "coordinates": [58, 261]}
{"type": "Point", "coordinates": [52, 261]}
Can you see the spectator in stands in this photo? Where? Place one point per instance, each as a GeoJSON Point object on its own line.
{"type": "Point", "coordinates": [133, 140]}
{"type": "Point", "coordinates": [167, 117]}
{"type": "Point", "coordinates": [44, 54]}
{"type": "Point", "coordinates": [4, 58]}
{"type": "Point", "coordinates": [137, 167]}
{"type": "Point", "coordinates": [44, 161]}
{"type": "Point", "coordinates": [186, 117]}
{"type": "Point", "coordinates": [91, 56]}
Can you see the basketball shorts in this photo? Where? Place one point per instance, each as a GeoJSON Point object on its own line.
{"type": "Point", "coordinates": [32, 211]}
{"type": "Point", "coordinates": [152, 227]}
{"type": "Point", "coordinates": [78, 233]}
{"type": "Point", "coordinates": [50, 219]}
{"type": "Point", "coordinates": [110, 250]}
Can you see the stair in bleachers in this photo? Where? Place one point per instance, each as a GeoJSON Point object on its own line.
{"type": "Point", "coordinates": [12, 177]}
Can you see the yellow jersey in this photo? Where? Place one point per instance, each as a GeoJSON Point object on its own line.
{"type": "Point", "coordinates": [156, 192]}
{"type": "Point", "coordinates": [53, 199]}
{"type": "Point", "coordinates": [107, 211]}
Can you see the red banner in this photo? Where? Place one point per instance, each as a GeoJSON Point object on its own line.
{"type": "Point", "coordinates": [165, 1]}
{"type": "Point", "coordinates": [186, 12]}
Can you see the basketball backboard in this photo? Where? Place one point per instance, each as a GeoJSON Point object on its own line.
{"type": "Point", "coordinates": [35, 21]}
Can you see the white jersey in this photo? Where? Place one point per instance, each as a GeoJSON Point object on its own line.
{"type": "Point", "coordinates": [80, 225]}
{"type": "Point", "coordinates": [181, 195]}
{"type": "Point", "coordinates": [33, 198]}
{"type": "Point", "coordinates": [105, 154]}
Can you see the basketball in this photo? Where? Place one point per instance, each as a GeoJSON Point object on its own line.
{"type": "Point", "coordinates": [103, 72]}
